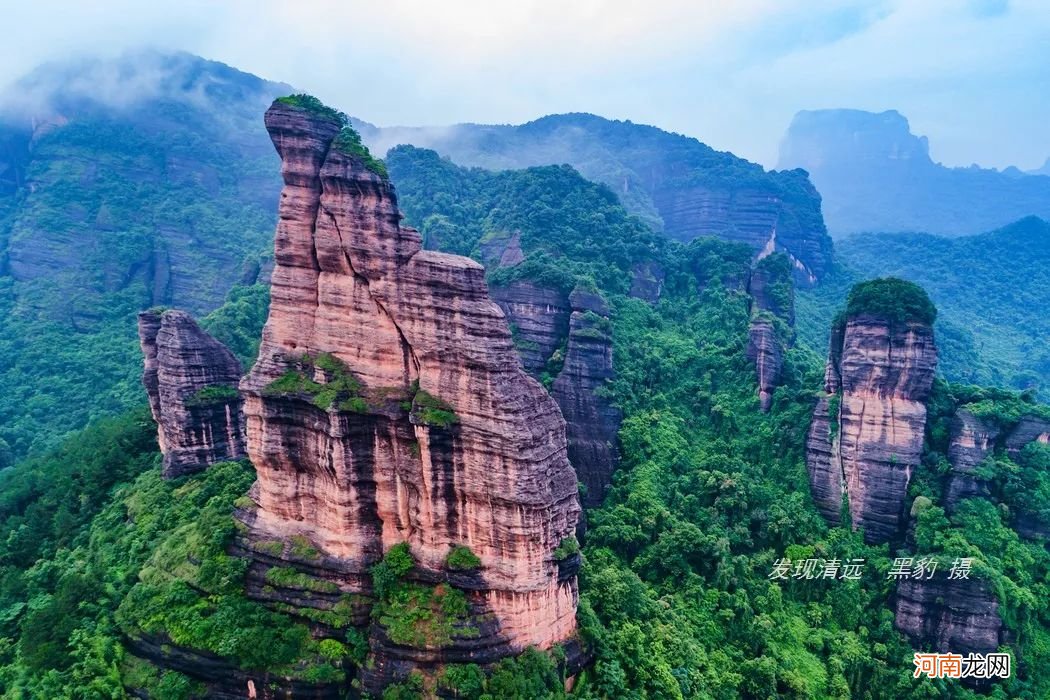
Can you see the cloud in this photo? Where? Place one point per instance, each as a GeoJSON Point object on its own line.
{"type": "Point", "coordinates": [732, 74]}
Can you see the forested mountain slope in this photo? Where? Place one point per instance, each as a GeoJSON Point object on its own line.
{"type": "Point", "coordinates": [676, 184]}
{"type": "Point", "coordinates": [992, 291]}
{"type": "Point", "coordinates": [124, 184]}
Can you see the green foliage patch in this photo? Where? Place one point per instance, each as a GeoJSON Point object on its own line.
{"type": "Point", "coordinates": [891, 298]}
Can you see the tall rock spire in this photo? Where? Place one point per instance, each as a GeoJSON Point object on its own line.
{"type": "Point", "coordinates": [388, 408]}
{"type": "Point", "coordinates": [867, 432]}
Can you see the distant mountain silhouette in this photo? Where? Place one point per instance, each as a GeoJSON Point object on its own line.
{"type": "Point", "coordinates": [875, 175]}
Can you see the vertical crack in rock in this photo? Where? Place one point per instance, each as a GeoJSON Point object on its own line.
{"type": "Point", "coordinates": [357, 449]}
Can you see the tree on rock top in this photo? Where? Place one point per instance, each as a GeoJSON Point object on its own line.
{"type": "Point", "coordinates": [894, 299]}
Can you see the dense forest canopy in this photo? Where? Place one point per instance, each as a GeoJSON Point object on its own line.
{"type": "Point", "coordinates": [98, 552]}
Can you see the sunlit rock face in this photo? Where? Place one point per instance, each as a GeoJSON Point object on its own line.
{"type": "Point", "coordinates": [867, 431]}
{"type": "Point", "coordinates": [191, 380]}
{"type": "Point", "coordinates": [388, 405]}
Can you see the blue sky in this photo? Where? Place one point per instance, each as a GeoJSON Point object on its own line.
{"type": "Point", "coordinates": [973, 75]}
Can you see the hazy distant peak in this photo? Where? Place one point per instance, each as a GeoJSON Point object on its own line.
{"type": "Point", "coordinates": [817, 138]}
{"type": "Point", "coordinates": [131, 79]}
{"type": "Point", "coordinates": [876, 175]}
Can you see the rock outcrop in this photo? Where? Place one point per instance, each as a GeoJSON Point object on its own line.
{"type": "Point", "coordinates": [867, 432]}
{"type": "Point", "coordinates": [387, 406]}
{"type": "Point", "coordinates": [591, 420]}
{"type": "Point", "coordinates": [960, 615]}
{"type": "Point", "coordinates": [1028, 429]}
{"type": "Point", "coordinates": [972, 440]}
{"type": "Point", "coordinates": [539, 322]}
{"type": "Point", "coordinates": [772, 320]}
{"type": "Point", "coordinates": [191, 380]}
{"type": "Point", "coordinates": [647, 281]}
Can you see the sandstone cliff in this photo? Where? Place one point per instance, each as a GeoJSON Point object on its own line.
{"type": "Point", "coordinates": [387, 406]}
{"type": "Point", "coordinates": [960, 616]}
{"type": "Point", "coordinates": [592, 422]}
{"type": "Point", "coordinates": [972, 440]}
{"type": "Point", "coordinates": [539, 321]}
{"type": "Point", "coordinates": [772, 320]}
{"type": "Point", "coordinates": [567, 341]}
{"type": "Point", "coordinates": [867, 432]}
{"type": "Point", "coordinates": [191, 380]}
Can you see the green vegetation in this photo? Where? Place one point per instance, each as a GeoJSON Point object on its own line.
{"type": "Point", "coordinates": [675, 595]}
{"type": "Point", "coordinates": [566, 548]}
{"type": "Point", "coordinates": [896, 300]}
{"type": "Point", "coordinates": [168, 202]}
{"type": "Point", "coordinates": [416, 614]}
{"type": "Point", "coordinates": [460, 558]}
{"type": "Point", "coordinates": [990, 326]}
{"type": "Point", "coordinates": [216, 393]}
{"type": "Point", "coordinates": [430, 410]}
{"type": "Point", "coordinates": [339, 386]}
{"type": "Point", "coordinates": [287, 577]}
{"type": "Point", "coordinates": [349, 141]}
{"type": "Point", "coordinates": [312, 104]}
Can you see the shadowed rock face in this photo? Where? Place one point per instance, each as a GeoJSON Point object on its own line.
{"type": "Point", "coordinates": [430, 432]}
{"type": "Point", "coordinates": [574, 333]}
{"type": "Point", "coordinates": [867, 432]}
{"type": "Point", "coordinates": [960, 616]}
{"type": "Point", "coordinates": [972, 439]}
{"type": "Point", "coordinates": [592, 422]}
{"type": "Point", "coordinates": [539, 317]}
{"type": "Point", "coordinates": [1028, 429]}
{"type": "Point", "coordinates": [191, 380]}
{"type": "Point", "coordinates": [772, 297]}
{"type": "Point", "coordinates": [647, 281]}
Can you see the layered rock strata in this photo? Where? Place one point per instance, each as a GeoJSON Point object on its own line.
{"type": "Point", "coordinates": [960, 615]}
{"type": "Point", "coordinates": [191, 380]}
{"type": "Point", "coordinates": [388, 406]}
{"type": "Point", "coordinates": [772, 320]}
{"type": "Point", "coordinates": [539, 321]}
{"type": "Point", "coordinates": [591, 420]}
{"type": "Point", "coordinates": [972, 440]}
{"type": "Point", "coordinates": [867, 432]}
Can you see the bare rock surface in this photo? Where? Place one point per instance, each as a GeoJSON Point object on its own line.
{"type": "Point", "coordinates": [592, 421]}
{"type": "Point", "coordinates": [867, 433]}
{"type": "Point", "coordinates": [191, 380]}
{"type": "Point", "coordinates": [388, 405]}
{"type": "Point", "coordinates": [959, 616]}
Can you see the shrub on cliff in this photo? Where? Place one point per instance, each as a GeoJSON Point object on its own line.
{"type": "Point", "coordinates": [894, 299]}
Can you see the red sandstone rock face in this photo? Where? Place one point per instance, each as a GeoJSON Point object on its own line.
{"type": "Point", "coordinates": [766, 351]}
{"type": "Point", "coordinates": [195, 430]}
{"type": "Point", "coordinates": [352, 283]}
{"type": "Point", "coordinates": [767, 344]}
{"type": "Point", "coordinates": [882, 375]}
